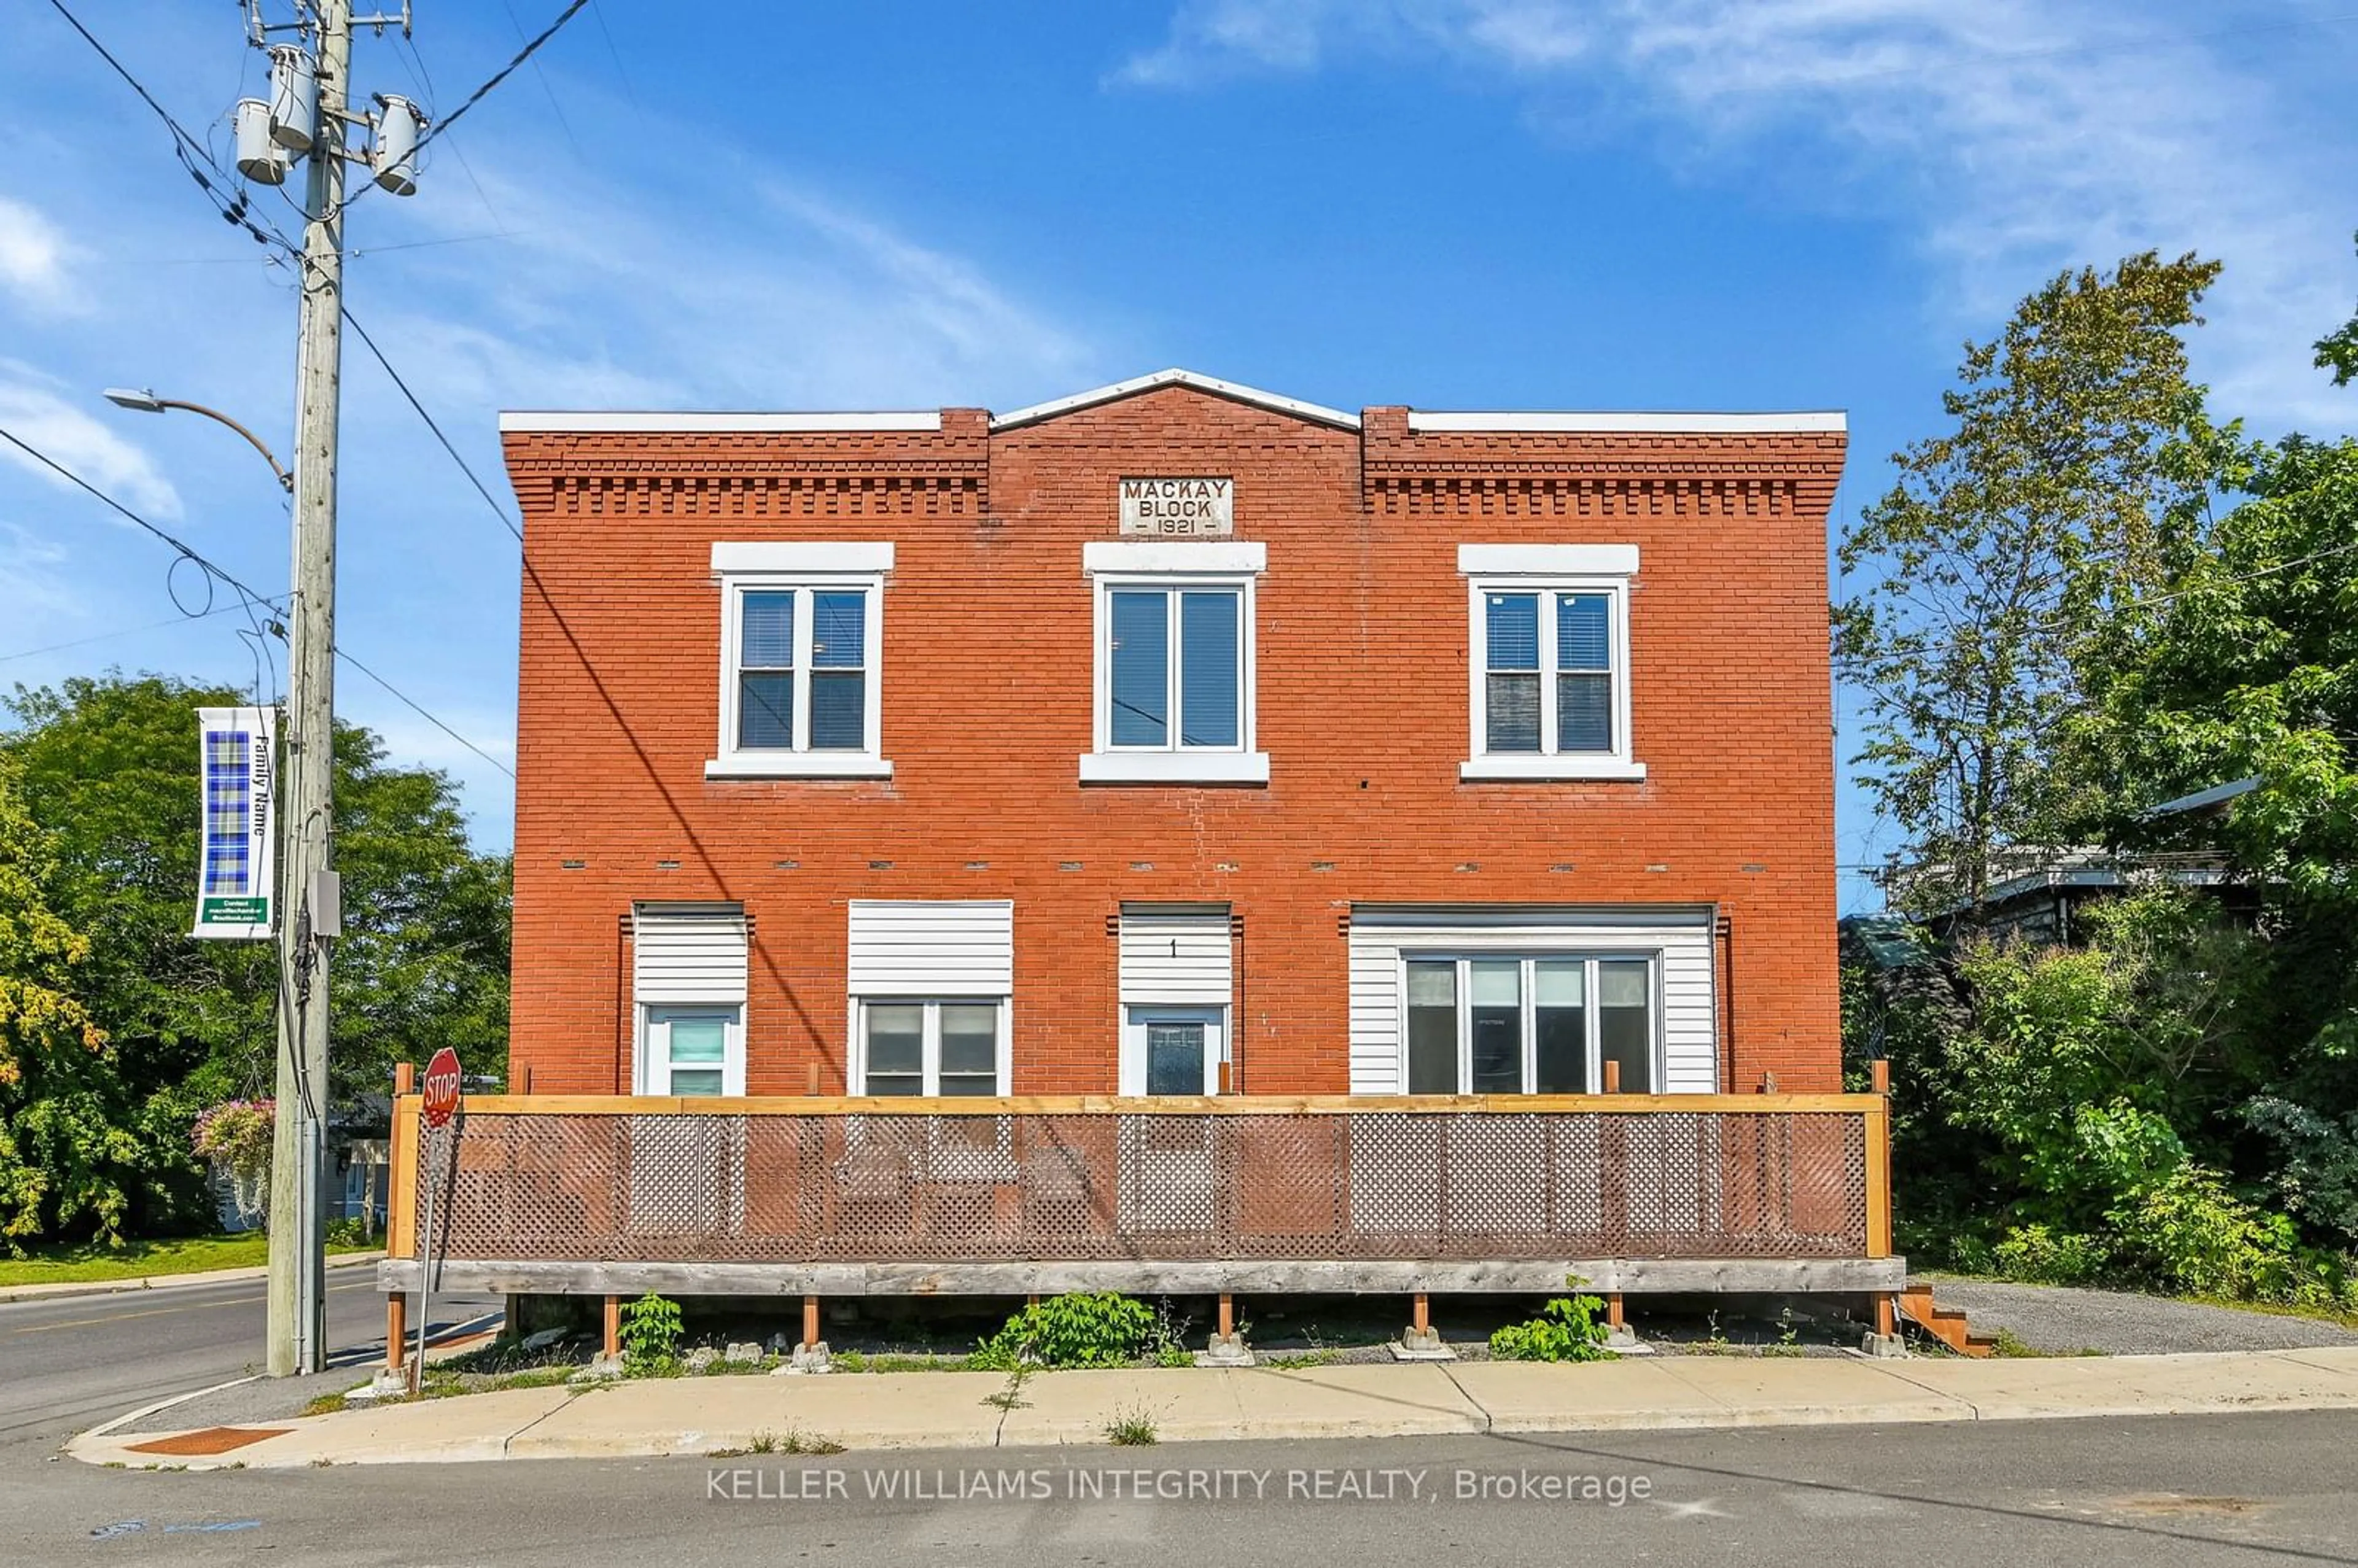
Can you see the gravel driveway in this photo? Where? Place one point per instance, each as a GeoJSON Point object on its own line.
{"type": "Point", "coordinates": [2062, 1321]}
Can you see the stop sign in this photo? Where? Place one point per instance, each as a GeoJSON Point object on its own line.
{"type": "Point", "coordinates": [441, 1088]}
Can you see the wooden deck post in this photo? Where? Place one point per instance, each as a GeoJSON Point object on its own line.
{"type": "Point", "coordinates": [1612, 1077]}
{"type": "Point", "coordinates": [405, 1078]}
{"type": "Point", "coordinates": [1228, 1315]}
{"type": "Point", "coordinates": [397, 1330]}
{"type": "Point", "coordinates": [1886, 1313]}
{"type": "Point", "coordinates": [1878, 1074]}
{"type": "Point", "coordinates": [1613, 1315]}
{"type": "Point", "coordinates": [523, 1079]}
{"type": "Point", "coordinates": [613, 1325]}
{"type": "Point", "coordinates": [810, 1322]}
{"type": "Point", "coordinates": [1420, 1313]}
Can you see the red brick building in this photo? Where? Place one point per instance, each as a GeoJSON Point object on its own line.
{"type": "Point", "coordinates": [1356, 753]}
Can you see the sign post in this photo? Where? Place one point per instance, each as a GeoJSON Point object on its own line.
{"type": "Point", "coordinates": [436, 1107]}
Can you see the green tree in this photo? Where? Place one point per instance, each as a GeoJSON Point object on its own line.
{"type": "Point", "coordinates": [109, 769]}
{"type": "Point", "coordinates": [57, 1147]}
{"type": "Point", "coordinates": [2061, 490]}
{"type": "Point", "coordinates": [2248, 668]}
{"type": "Point", "coordinates": [2338, 351]}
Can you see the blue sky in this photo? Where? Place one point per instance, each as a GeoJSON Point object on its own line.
{"type": "Point", "coordinates": [1451, 204]}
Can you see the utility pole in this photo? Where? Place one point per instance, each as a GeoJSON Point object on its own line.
{"type": "Point", "coordinates": [298, 1318]}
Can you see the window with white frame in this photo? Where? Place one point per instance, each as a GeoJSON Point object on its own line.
{"type": "Point", "coordinates": [1174, 685]}
{"type": "Point", "coordinates": [1550, 658]}
{"type": "Point", "coordinates": [932, 1046]}
{"type": "Point", "coordinates": [802, 627]}
{"type": "Point", "coordinates": [1538, 1023]}
{"type": "Point", "coordinates": [688, 989]}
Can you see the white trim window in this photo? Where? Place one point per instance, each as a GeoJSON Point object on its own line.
{"type": "Point", "coordinates": [1550, 661]}
{"type": "Point", "coordinates": [802, 630]}
{"type": "Point", "coordinates": [932, 1045]}
{"type": "Point", "coordinates": [1504, 1023]}
{"type": "Point", "coordinates": [1173, 1050]}
{"type": "Point", "coordinates": [691, 1049]}
{"type": "Point", "coordinates": [1172, 693]}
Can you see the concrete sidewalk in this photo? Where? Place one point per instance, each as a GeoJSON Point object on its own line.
{"type": "Point", "coordinates": [63, 1288]}
{"type": "Point", "coordinates": [868, 1411]}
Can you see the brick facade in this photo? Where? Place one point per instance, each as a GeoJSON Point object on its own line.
{"type": "Point", "coordinates": [987, 669]}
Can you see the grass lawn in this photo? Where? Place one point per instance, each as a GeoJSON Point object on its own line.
{"type": "Point", "coordinates": [181, 1254]}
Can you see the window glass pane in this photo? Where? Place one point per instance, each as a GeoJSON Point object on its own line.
{"type": "Point", "coordinates": [1498, 983]}
{"type": "Point", "coordinates": [1583, 624]}
{"type": "Point", "coordinates": [1514, 632]}
{"type": "Point", "coordinates": [765, 711]}
{"type": "Point", "coordinates": [1513, 720]}
{"type": "Point", "coordinates": [1208, 659]}
{"type": "Point", "coordinates": [969, 1047]}
{"type": "Point", "coordinates": [1139, 685]}
{"type": "Point", "coordinates": [839, 631]}
{"type": "Point", "coordinates": [1625, 993]}
{"type": "Point", "coordinates": [1433, 1029]}
{"type": "Point", "coordinates": [766, 624]}
{"type": "Point", "coordinates": [698, 1039]}
{"type": "Point", "coordinates": [695, 1081]}
{"type": "Point", "coordinates": [1560, 994]}
{"type": "Point", "coordinates": [1498, 1026]}
{"type": "Point", "coordinates": [838, 700]}
{"type": "Point", "coordinates": [896, 1048]}
{"type": "Point", "coordinates": [1584, 714]}
{"type": "Point", "coordinates": [1175, 1058]}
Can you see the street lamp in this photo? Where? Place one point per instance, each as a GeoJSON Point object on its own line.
{"type": "Point", "coordinates": [146, 402]}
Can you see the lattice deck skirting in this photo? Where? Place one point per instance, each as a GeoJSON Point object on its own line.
{"type": "Point", "coordinates": [1740, 1193]}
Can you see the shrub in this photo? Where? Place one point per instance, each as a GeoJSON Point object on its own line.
{"type": "Point", "coordinates": [237, 1134]}
{"type": "Point", "coordinates": [2048, 1257]}
{"type": "Point", "coordinates": [651, 1330]}
{"type": "Point", "coordinates": [1085, 1329]}
{"type": "Point", "coordinates": [1565, 1330]}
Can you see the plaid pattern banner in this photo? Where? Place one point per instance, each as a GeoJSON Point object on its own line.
{"type": "Point", "coordinates": [236, 873]}
{"type": "Point", "coordinates": [229, 801]}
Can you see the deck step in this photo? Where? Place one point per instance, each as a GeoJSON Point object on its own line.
{"type": "Point", "coordinates": [1944, 1323]}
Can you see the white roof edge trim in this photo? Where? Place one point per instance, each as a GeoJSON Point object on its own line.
{"type": "Point", "coordinates": [623, 421]}
{"type": "Point", "coordinates": [1176, 378]}
{"type": "Point", "coordinates": [1825, 422]}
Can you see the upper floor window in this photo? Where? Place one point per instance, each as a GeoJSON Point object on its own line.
{"type": "Point", "coordinates": [1173, 685]}
{"type": "Point", "coordinates": [802, 626]}
{"type": "Point", "coordinates": [1550, 661]}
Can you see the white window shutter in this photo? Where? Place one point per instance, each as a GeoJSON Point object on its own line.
{"type": "Point", "coordinates": [688, 953]}
{"type": "Point", "coordinates": [1173, 958]}
{"type": "Point", "coordinates": [932, 948]}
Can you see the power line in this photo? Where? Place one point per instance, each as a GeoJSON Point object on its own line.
{"type": "Point", "coordinates": [250, 596]}
{"type": "Point", "coordinates": [497, 76]}
{"type": "Point", "coordinates": [233, 207]}
{"type": "Point", "coordinates": [187, 552]}
{"type": "Point", "coordinates": [480, 489]}
{"type": "Point", "coordinates": [120, 631]}
{"type": "Point", "coordinates": [418, 709]}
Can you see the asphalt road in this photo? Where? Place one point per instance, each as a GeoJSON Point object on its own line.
{"type": "Point", "coordinates": [2273, 1489]}
{"type": "Point", "coordinates": [72, 1362]}
{"type": "Point", "coordinates": [2233, 1490]}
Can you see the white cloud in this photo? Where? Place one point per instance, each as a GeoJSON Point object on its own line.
{"type": "Point", "coordinates": [37, 263]}
{"type": "Point", "coordinates": [2017, 137]}
{"type": "Point", "coordinates": [39, 415]}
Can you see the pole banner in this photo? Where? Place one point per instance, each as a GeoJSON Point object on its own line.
{"type": "Point", "coordinates": [238, 848]}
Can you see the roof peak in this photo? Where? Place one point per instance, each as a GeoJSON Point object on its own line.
{"type": "Point", "coordinates": [1236, 392]}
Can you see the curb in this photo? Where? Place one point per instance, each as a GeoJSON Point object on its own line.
{"type": "Point", "coordinates": [66, 1288]}
{"type": "Point", "coordinates": [1257, 1405]}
